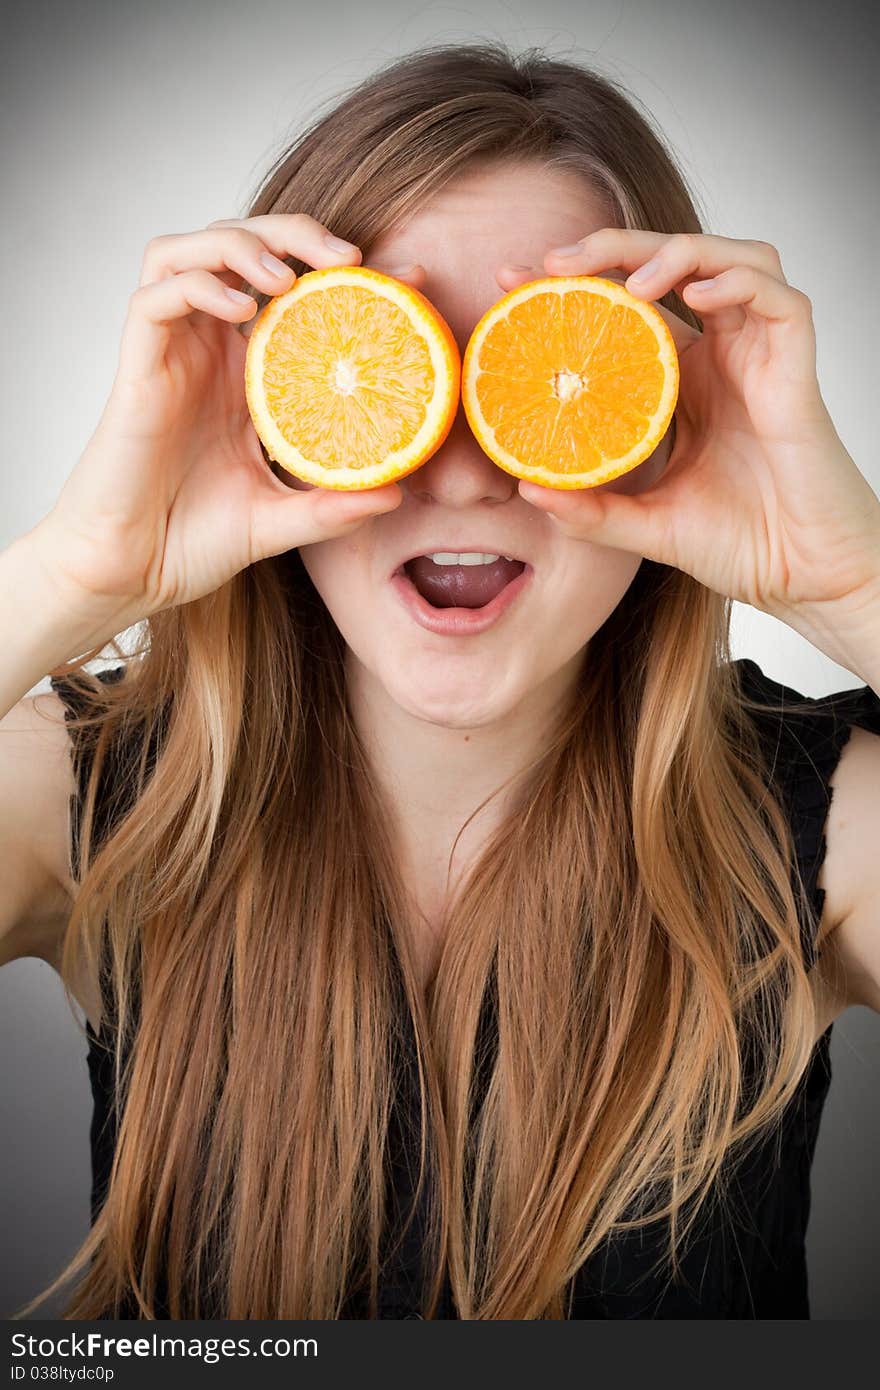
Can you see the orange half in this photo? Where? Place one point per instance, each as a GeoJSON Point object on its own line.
{"type": "Point", "coordinates": [352, 378]}
{"type": "Point", "coordinates": [570, 381]}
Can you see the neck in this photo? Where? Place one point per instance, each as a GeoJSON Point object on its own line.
{"type": "Point", "coordinates": [435, 775]}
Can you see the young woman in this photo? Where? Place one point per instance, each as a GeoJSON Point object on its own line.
{"type": "Point", "coordinates": [432, 973]}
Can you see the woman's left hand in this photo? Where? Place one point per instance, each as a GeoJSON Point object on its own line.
{"type": "Point", "coordinates": [759, 500]}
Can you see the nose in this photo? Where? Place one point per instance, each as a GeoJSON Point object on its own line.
{"type": "Point", "coordinates": [459, 474]}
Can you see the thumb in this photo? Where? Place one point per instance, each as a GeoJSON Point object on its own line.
{"type": "Point", "coordinates": [283, 520]}
{"type": "Point", "coordinates": [639, 523]}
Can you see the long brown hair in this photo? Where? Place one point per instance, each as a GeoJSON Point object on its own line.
{"type": "Point", "coordinates": [633, 920]}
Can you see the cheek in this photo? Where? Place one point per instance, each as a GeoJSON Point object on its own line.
{"type": "Point", "coordinates": [597, 578]}
{"type": "Point", "coordinates": [339, 570]}
{"type": "Point", "coordinates": [328, 568]}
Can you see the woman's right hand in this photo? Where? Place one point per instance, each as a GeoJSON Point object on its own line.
{"type": "Point", "coordinates": [172, 496]}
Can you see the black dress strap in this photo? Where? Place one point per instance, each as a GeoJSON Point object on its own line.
{"type": "Point", "coordinates": [803, 738]}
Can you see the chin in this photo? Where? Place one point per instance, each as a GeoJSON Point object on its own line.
{"type": "Point", "coordinates": [452, 700]}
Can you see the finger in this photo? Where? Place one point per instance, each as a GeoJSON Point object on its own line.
{"type": "Point", "coordinates": [787, 311]}
{"type": "Point", "coordinates": [296, 234]}
{"type": "Point", "coordinates": [510, 277]}
{"type": "Point", "coordinates": [283, 518]}
{"type": "Point", "coordinates": [664, 261]}
{"type": "Point", "coordinates": [154, 308]}
{"type": "Point", "coordinates": [411, 272]}
{"type": "Point", "coordinates": [752, 289]}
{"type": "Point", "coordinates": [239, 255]}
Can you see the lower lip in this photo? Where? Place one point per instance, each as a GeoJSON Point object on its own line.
{"type": "Point", "coordinates": [458, 622]}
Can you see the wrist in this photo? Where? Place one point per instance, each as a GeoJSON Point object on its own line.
{"type": "Point", "coordinates": [42, 623]}
{"type": "Point", "coordinates": [847, 629]}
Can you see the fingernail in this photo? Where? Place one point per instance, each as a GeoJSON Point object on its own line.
{"type": "Point", "coordinates": [337, 244]}
{"type": "Point", "coordinates": [277, 267]}
{"type": "Point", "coordinates": [645, 272]}
{"type": "Point", "coordinates": [566, 250]}
{"type": "Point", "coordinates": [402, 269]}
{"type": "Point", "coordinates": [534, 492]}
{"type": "Point", "coordinates": [701, 285]}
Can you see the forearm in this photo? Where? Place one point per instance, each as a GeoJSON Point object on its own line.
{"type": "Point", "coordinates": [40, 627]}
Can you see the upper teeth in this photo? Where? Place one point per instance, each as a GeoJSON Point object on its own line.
{"type": "Point", "coordinates": [467, 557]}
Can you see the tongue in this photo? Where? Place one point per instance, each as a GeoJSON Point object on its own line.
{"type": "Point", "coordinates": [461, 586]}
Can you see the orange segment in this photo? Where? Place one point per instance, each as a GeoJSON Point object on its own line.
{"type": "Point", "coordinates": [352, 378]}
{"type": "Point", "coordinates": [570, 381]}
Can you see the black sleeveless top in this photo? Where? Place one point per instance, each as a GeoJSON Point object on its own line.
{"type": "Point", "coordinates": [746, 1257]}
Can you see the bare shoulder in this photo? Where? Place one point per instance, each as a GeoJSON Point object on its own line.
{"type": "Point", "coordinates": [849, 932]}
{"type": "Point", "coordinates": [36, 784]}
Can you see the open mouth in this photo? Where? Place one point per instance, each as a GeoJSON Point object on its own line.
{"type": "Point", "coordinates": [470, 580]}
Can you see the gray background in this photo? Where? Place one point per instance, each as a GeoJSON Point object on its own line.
{"type": "Point", "coordinates": [125, 121]}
